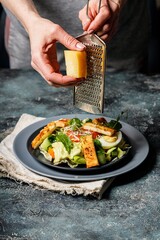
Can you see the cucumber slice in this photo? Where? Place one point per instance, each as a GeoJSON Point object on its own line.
{"type": "Point", "coordinates": [46, 143]}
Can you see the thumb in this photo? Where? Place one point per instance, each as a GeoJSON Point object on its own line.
{"type": "Point", "coordinates": [68, 41]}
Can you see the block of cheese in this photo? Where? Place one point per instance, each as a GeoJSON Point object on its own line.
{"type": "Point", "coordinates": [76, 63]}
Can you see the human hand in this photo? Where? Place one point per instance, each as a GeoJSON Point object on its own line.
{"type": "Point", "coordinates": [104, 20]}
{"type": "Point", "coordinates": [43, 37]}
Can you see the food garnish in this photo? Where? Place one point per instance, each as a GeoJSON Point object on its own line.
{"type": "Point", "coordinates": [75, 142]}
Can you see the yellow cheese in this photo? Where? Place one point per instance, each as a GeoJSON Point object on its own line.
{"type": "Point", "coordinates": [76, 63]}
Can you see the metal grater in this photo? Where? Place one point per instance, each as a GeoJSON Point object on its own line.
{"type": "Point", "coordinates": [89, 95]}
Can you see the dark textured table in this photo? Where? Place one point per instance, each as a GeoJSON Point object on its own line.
{"type": "Point", "coordinates": [130, 208]}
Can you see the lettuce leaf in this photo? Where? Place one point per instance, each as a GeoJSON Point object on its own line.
{"type": "Point", "coordinates": [61, 137]}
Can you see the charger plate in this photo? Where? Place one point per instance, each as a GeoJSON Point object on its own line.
{"type": "Point", "coordinates": [25, 155]}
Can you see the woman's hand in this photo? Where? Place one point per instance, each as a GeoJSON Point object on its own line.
{"type": "Point", "coordinates": [104, 20]}
{"type": "Point", "coordinates": [43, 37]}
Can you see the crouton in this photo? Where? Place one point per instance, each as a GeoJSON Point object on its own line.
{"type": "Point", "coordinates": [99, 121]}
{"type": "Point", "coordinates": [89, 151]}
{"type": "Point", "coordinates": [44, 133]}
{"type": "Point", "coordinates": [100, 129]}
{"type": "Point", "coordinates": [63, 122]}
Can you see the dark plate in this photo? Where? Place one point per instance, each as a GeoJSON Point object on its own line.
{"type": "Point", "coordinates": [136, 156]}
{"type": "Point", "coordinates": [64, 167]}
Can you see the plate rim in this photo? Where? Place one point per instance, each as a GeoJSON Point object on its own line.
{"type": "Point", "coordinates": [44, 170]}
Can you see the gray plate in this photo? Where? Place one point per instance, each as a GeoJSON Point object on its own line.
{"type": "Point", "coordinates": [138, 153]}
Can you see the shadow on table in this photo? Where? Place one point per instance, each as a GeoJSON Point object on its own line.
{"type": "Point", "coordinates": [140, 171]}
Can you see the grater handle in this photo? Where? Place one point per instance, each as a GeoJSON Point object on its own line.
{"type": "Point", "coordinates": [99, 6]}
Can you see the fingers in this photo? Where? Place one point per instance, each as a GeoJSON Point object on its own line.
{"type": "Point", "coordinates": [115, 5]}
{"type": "Point", "coordinates": [67, 40]}
{"type": "Point", "coordinates": [71, 84]}
{"type": "Point", "coordinates": [86, 23]}
{"type": "Point", "coordinates": [85, 20]}
{"type": "Point", "coordinates": [105, 29]}
{"type": "Point", "coordinates": [53, 78]}
{"type": "Point", "coordinates": [95, 19]}
{"type": "Point", "coordinates": [103, 23]}
{"type": "Point", "coordinates": [108, 30]}
{"type": "Point", "coordinates": [100, 19]}
{"type": "Point", "coordinates": [44, 56]}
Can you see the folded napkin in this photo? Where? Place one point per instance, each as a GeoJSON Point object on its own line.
{"type": "Point", "coordinates": [10, 167]}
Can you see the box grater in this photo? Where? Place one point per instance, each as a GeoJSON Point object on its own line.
{"type": "Point", "coordinates": [89, 95]}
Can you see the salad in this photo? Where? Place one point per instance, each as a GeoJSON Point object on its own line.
{"type": "Point", "coordinates": [75, 142]}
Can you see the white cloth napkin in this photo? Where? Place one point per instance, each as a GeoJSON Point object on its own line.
{"type": "Point", "coordinates": [10, 167]}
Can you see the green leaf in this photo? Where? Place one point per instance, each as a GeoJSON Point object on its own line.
{"type": "Point", "coordinates": [109, 153]}
{"type": "Point", "coordinates": [45, 144]}
{"type": "Point", "coordinates": [86, 120]}
{"type": "Point", "coordinates": [52, 138]}
{"type": "Point", "coordinates": [120, 153]}
{"type": "Point", "coordinates": [115, 124]}
{"type": "Point", "coordinates": [114, 153]}
{"type": "Point", "coordinates": [61, 137]}
{"type": "Point", "coordinates": [97, 144]}
{"type": "Point", "coordinates": [101, 157]}
{"type": "Point", "coordinates": [79, 160]}
{"type": "Point", "coordinates": [75, 123]}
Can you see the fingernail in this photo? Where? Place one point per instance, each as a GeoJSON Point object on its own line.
{"type": "Point", "coordinates": [90, 31]}
{"type": "Point", "coordinates": [80, 45]}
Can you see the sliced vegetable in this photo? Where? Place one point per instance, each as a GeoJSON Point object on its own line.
{"type": "Point", "coordinates": [51, 152]}
{"type": "Point", "coordinates": [114, 153]}
{"type": "Point", "coordinates": [120, 153]}
{"type": "Point", "coordinates": [95, 135]}
{"type": "Point", "coordinates": [101, 157]}
{"type": "Point", "coordinates": [109, 154]}
{"type": "Point", "coordinates": [45, 144]}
